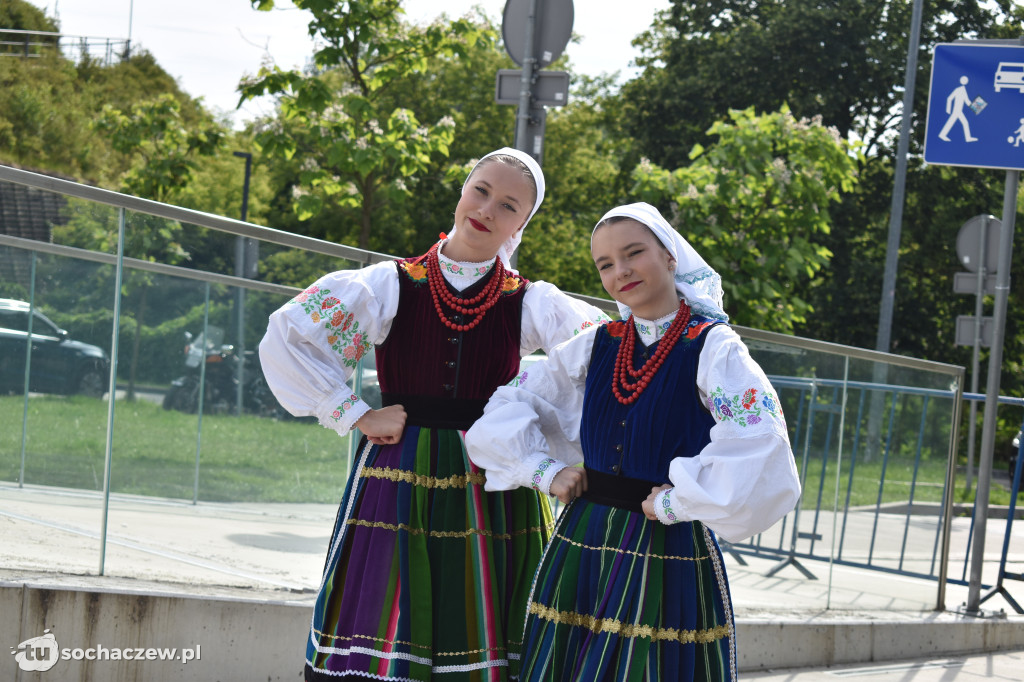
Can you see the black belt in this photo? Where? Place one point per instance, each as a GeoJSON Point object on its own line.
{"type": "Point", "coordinates": [436, 412]}
{"type": "Point", "coordinates": [617, 491]}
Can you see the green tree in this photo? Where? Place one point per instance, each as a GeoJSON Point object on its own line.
{"type": "Point", "coordinates": [163, 152]}
{"type": "Point", "coordinates": [587, 163]}
{"type": "Point", "coordinates": [355, 148]}
{"type": "Point", "coordinates": [50, 103]}
{"type": "Point", "coordinates": [18, 15]}
{"type": "Point", "coordinates": [162, 149]}
{"type": "Point", "coordinates": [841, 60]}
{"type": "Point", "coordinates": [753, 205]}
{"type": "Point", "coordinates": [844, 60]}
{"type": "Point", "coordinates": [24, 16]}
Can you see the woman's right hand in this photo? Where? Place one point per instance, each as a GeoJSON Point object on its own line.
{"type": "Point", "coordinates": [383, 426]}
{"type": "Point", "coordinates": [568, 484]}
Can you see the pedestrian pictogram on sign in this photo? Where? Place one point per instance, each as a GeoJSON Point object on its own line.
{"type": "Point", "coordinates": [976, 106]}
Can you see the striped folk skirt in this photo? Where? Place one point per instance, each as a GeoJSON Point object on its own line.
{"type": "Point", "coordinates": [427, 575]}
{"type": "Point", "coordinates": [619, 597]}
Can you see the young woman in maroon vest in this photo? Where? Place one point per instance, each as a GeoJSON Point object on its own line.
{"type": "Point", "coordinates": [681, 437]}
{"type": "Point", "coordinates": [427, 574]}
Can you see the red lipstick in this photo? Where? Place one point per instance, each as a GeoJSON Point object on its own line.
{"type": "Point", "coordinates": [478, 225]}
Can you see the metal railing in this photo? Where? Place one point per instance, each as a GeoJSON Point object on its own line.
{"type": "Point", "coordinates": [867, 450]}
{"type": "Point", "coordinates": [33, 44]}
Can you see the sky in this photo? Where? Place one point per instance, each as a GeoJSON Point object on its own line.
{"type": "Point", "coordinates": [209, 45]}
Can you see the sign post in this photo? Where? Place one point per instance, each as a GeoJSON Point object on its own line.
{"type": "Point", "coordinates": [976, 249]}
{"type": "Point", "coordinates": [535, 33]}
{"type": "Point", "coordinates": [976, 118]}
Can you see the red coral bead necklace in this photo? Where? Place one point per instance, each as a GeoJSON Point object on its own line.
{"type": "Point", "coordinates": [467, 306]}
{"type": "Point", "coordinates": [624, 359]}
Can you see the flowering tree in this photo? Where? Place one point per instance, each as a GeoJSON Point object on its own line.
{"type": "Point", "coordinates": [338, 120]}
{"type": "Point", "coordinates": [754, 205]}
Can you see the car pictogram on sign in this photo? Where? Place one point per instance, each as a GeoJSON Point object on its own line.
{"type": "Point", "coordinates": [1009, 75]}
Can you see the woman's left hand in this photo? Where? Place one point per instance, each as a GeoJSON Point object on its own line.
{"type": "Point", "coordinates": [648, 504]}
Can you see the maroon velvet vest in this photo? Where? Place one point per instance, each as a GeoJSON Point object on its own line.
{"type": "Point", "coordinates": [443, 377]}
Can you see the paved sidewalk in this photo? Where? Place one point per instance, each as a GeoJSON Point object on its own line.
{"type": "Point", "coordinates": [240, 559]}
{"type": "Point", "coordinates": [1001, 666]}
{"type": "Point", "coordinates": [281, 547]}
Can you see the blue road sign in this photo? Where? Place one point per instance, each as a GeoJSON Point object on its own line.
{"type": "Point", "coordinates": [976, 106]}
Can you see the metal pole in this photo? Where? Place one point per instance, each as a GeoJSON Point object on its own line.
{"type": "Point", "coordinates": [979, 293]}
{"type": "Point", "coordinates": [995, 362]}
{"type": "Point", "coordinates": [128, 43]}
{"type": "Point", "coordinates": [526, 81]}
{"type": "Point", "coordinates": [114, 345]}
{"type": "Point", "coordinates": [525, 85]}
{"type": "Point", "coordinates": [839, 475]}
{"type": "Point", "coordinates": [202, 391]}
{"type": "Point", "coordinates": [947, 498]}
{"type": "Point", "coordinates": [883, 340]}
{"type": "Point", "coordinates": [884, 337]}
{"type": "Point", "coordinates": [28, 367]}
{"type": "Point", "coordinates": [240, 271]}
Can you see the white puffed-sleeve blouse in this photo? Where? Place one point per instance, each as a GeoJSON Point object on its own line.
{"type": "Point", "coordinates": [740, 484]}
{"type": "Point", "coordinates": [308, 366]}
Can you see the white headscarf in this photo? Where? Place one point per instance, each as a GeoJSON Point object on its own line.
{"type": "Point", "coordinates": [506, 250]}
{"type": "Point", "coordinates": [696, 282]}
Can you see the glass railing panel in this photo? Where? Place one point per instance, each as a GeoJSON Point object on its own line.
{"type": "Point", "coordinates": [223, 461]}
{"type": "Point", "coordinates": [68, 370]}
{"type": "Point", "coordinates": [904, 417]}
{"type": "Point", "coordinates": [872, 443]}
{"type": "Point", "coordinates": [53, 439]}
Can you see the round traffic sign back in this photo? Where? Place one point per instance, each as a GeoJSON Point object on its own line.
{"type": "Point", "coordinates": [968, 243]}
{"type": "Point", "coordinates": [552, 29]}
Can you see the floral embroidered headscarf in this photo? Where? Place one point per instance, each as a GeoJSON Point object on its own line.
{"type": "Point", "coordinates": [696, 282]}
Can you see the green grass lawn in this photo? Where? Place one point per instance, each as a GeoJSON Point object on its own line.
{"type": "Point", "coordinates": [242, 459]}
{"type": "Point", "coordinates": [250, 459]}
{"type": "Point", "coordinates": [899, 477]}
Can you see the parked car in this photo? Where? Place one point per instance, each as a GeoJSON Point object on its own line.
{"type": "Point", "coordinates": [59, 364]}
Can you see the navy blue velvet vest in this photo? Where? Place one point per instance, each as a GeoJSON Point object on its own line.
{"type": "Point", "coordinates": [665, 422]}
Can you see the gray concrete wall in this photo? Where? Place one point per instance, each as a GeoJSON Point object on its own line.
{"type": "Point", "coordinates": [231, 639]}
{"type": "Point", "coordinates": [833, 638]}
{"type": "Point", "coordinates": [237, 639]}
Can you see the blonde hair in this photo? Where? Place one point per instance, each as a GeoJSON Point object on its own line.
{"type": "Point", "coordinates": [511, 162]}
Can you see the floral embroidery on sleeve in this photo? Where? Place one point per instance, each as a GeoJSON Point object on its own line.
{"type": "Point", "coordinates": [538, 474]}
{"type": "Point", "coordinates": [345, 406]}
{"type": "Point", "coordinates": [666, 507]}
{"type": "Point", "coordinates": [746, 409]}
{"type": "Point", "coordinates": [343, 332]}
{"type": "Point", "coordinates": [518, 380]}
{"type": "Point", "coordinates": [587, 324]}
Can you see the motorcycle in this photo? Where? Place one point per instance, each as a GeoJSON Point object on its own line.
{"type": "Point", "coordinates": [220, 379]}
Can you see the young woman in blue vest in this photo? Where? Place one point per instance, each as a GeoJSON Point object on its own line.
{"type": "Point", "coordinates": [427, 574]}
{"type": "Point", "coordinates": [681, 438]}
